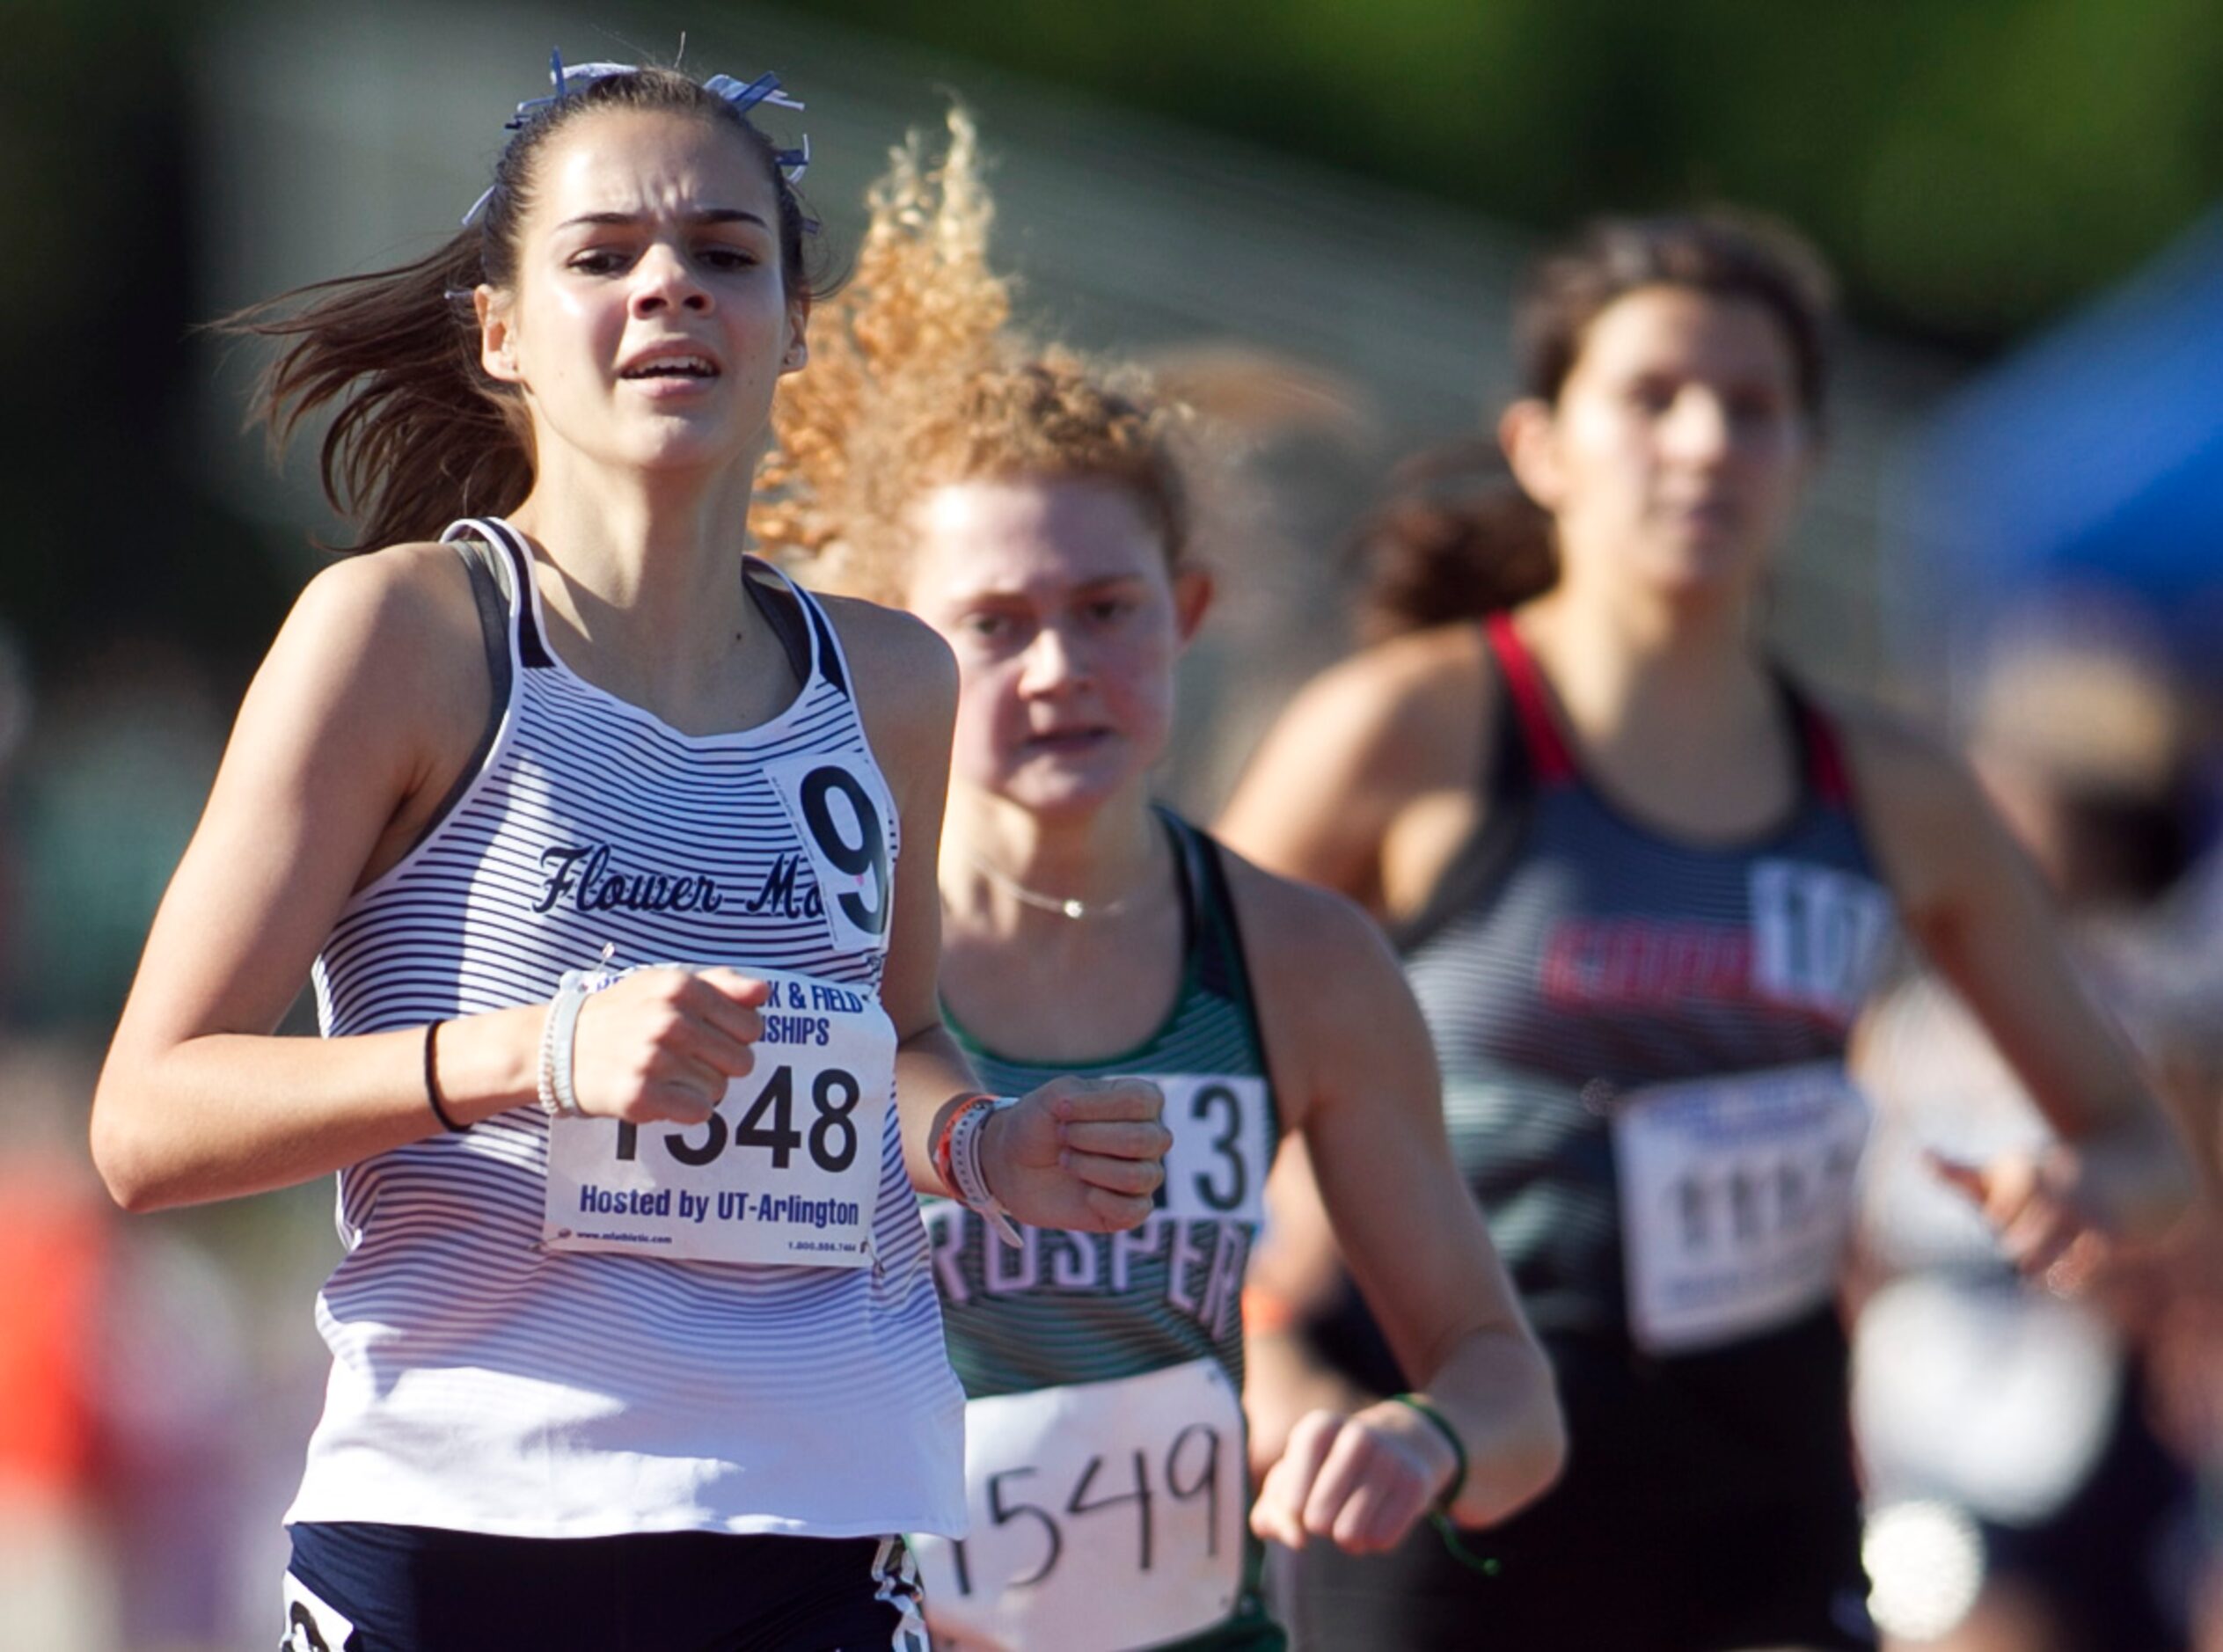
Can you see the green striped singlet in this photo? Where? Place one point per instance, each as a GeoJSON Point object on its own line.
{"type": "Point", "coordinates": [1079, 1308]}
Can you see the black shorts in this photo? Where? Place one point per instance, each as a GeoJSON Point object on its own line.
{"type": "Point", "coordinates": [1574, 1585]}
{"type": "Point", "coordinates": [357, 1587]}
{"type": "Point", "coordinates": [2101, 1561]}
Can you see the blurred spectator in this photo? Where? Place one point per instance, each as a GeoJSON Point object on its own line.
{"type": "Point", "coordinates": [57, 1588]}
{"type": "Point", "coordinates": [140, 1392]}
{"type": "Point", "coordinates": [2032, 1458]}
{"type": "Point", "coordinates": [113, 779]}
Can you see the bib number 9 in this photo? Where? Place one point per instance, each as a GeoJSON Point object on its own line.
{"type": "Point", "coordinates": [838, 806]}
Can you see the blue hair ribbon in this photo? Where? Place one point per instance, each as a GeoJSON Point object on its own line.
{"type": "Point", "coordinates": [743, 96]}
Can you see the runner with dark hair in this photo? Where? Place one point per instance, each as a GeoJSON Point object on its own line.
{"type": "Point", "coordinates": [1644, 880]}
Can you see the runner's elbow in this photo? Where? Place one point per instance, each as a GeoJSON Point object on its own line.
{"type": "Point", "coordinates": [123, 1151]}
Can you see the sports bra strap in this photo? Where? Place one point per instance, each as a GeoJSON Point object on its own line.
{"type": "Point", "coordinates": [491, 530]}
{"type": "Point", "coordinates": [1550, 759]}
{"type": "Point", "coordinates": [780, 605]}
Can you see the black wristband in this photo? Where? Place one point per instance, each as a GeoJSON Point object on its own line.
{"type": "Point", "coordinates": [432, 1082]}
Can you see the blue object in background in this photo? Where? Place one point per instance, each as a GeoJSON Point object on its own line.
{"type": "Point", "coordinates": [2090, 461]}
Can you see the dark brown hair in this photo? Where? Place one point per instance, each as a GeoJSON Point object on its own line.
{"type": "Point", "coordinates": [1457, 539]}
{"type": "Point", "coordinates": [419, 434]}
{"type": "Point", "coordinates": [1460, 539]}
{"type": "Point", "coordinates": [1718, 252]}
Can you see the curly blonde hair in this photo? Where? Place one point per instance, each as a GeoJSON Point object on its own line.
{"type": "Point", "coordinates": [919, 379]}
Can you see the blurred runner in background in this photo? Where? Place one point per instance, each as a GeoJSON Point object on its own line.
{"type": "Point", "coordinates": [1645, 882]}
{"type": "Point", "coordinates": [2030, 1457]}
{"type": "Point", "coordinates": [1034, 510]}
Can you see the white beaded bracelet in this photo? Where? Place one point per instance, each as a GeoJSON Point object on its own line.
{"type": "Point", "coordinates": [972, 1182]}
{"type": "Point", "coordinates": [559, 1035]}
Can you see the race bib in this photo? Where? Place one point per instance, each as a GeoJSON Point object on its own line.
{"type": "Point", "coordinates": [1104, 1517]}
{"type": "Point", "coordinates": [1223, 1147]}
{"type": "Point", "coordinates": [786, 1170]}
{"type": "Point", "coordinates": [1818, 936]}
{"type": "Point", "coordinates": [839, 807]}
{"type": "Point", "coordinates": [311, 1623]}
{"type": "Point", "coordinates": [1736, 1200]}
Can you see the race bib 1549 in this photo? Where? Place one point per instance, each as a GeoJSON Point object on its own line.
{"type": "Point", "coordinates": [1104, 1517]}
{"type": "Point", "coordinates": [786, 1170]}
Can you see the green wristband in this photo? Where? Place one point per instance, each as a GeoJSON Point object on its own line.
{"type": "Point", "coordinates": [1459, 1447]}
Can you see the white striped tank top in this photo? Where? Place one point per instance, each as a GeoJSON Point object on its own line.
{"type": "Point", "coordinates": [483, 1383]}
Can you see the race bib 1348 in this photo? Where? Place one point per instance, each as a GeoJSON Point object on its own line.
{"type": "Point", "coordinates": [786, 1170]}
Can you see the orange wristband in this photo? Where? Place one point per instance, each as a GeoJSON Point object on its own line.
{"type": "Point", "coordinates": [1266, 1312]}
{"type": "Point", "coordinates": [940, 1152]}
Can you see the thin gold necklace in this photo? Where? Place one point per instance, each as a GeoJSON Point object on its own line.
{"type": "Point", "coordinates": [1064, 906]}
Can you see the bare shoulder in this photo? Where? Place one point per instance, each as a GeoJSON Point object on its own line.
{"type": "Point", "coordinates": [1301, 938]}
{"type": "Point", "coordinates": [892, 637]}
{"type": "Point", "coordinates": [1399, 697]}
{"type": "Point", "coordinates": [1331, 1002]}
{"type": "Point", "coordinates": [1920, 806]}
{"type": "Point", "coordinates": [1328, 992]}
{"type": "Point", "coordinates": [1356, 750]}
{"type": "Point", "coordinates": [399, 625]}
{"type": "Point", "coordinates": [906, 676]}
{"type": "Point", "coordinates": [416, 597]}
{"type": "Point", "coordinates": [1901, 772]}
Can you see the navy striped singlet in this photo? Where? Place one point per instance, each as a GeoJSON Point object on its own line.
{"type": "Point", "coordinates": [481, 1382]}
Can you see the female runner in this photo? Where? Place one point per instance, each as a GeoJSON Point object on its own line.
{"type": "Point", "coordinates": [1032, 510]}
{"type": "Point", "coordinates": [1643, 882]}
{"type": "Point", "coordinates": [635, 1343]}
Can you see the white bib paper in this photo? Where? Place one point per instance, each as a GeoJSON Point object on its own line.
{"type": "Point", "coordinates": [839, 807]}
{"type": "Point", "coordinates": [1736, 1200]}
{"type": "Point", "coordinates": [786, 1170]}
{"type": "Point", "coordinates": [1818, 936]}
{"type": "Point", "coordinates": [1223, 1146]}
{"type": "Point", "coordinates": [312, 1624]}
{"type": "Point", "coordinates": [1105, 1517]}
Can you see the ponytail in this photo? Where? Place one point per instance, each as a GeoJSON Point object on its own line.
{"type": "Point", "coordinates": [421, 435]}
{"type": "Point", "coordinates": [1458, 540]}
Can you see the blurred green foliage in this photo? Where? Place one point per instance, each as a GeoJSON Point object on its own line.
{"type": "Point", "coordinates": [109, 532]}
{"type": "Point", "coordinates": [1970, 166]}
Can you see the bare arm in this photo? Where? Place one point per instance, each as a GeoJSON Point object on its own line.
{"type": "Point", "coordinates": [369, 703]}
{"type": "Point", "coordinates": [197, 1100]}
{"type": "Point", "coordinates": [1076, 1153]}
{"type": "Point", "coordinates": [1352, 1057]}
{"type": "Point", "coordinates": [1970, 898]}
{"type": "Point", "coordinates": [1368, 784]}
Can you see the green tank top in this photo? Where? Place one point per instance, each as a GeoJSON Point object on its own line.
{"type": "Point", "coordinates": [1085, 1308]}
